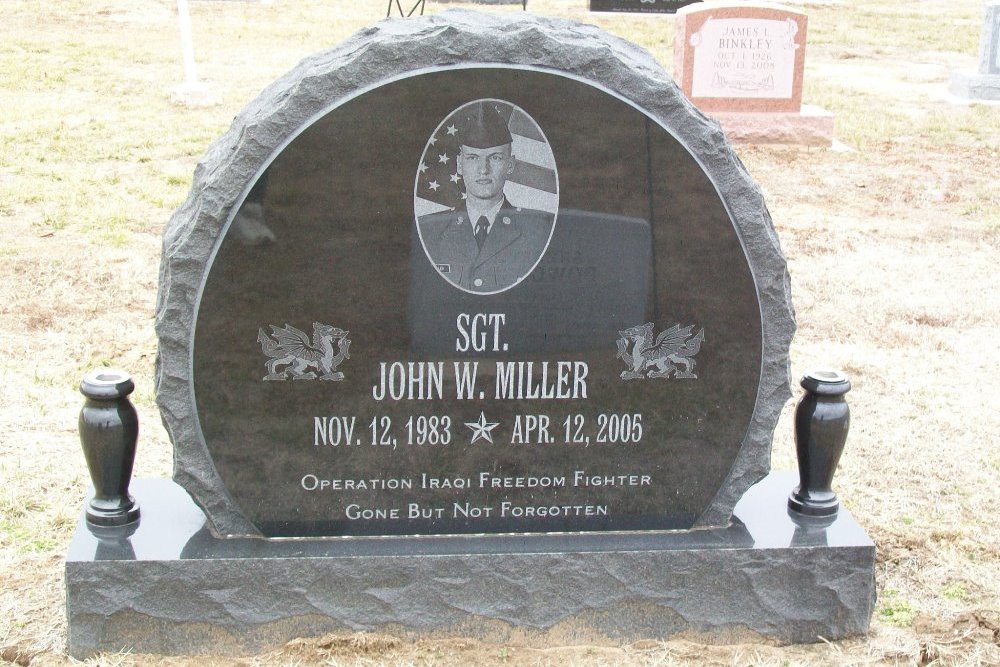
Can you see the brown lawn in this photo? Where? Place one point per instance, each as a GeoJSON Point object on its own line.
{"type": "Point", "coordinates": [893, 246]}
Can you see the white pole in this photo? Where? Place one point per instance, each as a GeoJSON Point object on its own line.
{"type": "Point", "coordinates": [187, 44]}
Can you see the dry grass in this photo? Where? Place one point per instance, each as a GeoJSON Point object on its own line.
{"type": "Point", "coordinates": [893, 250]}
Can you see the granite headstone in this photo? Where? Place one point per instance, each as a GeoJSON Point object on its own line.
{"type": "Point", "coordinates": [745, 57]}
{"type": "Point", "coordinates": [744, 64]}
{"type": "Point", "coordinates": [984, 82]}
{"type": "Point", "coordinates": [493, 365]}
{"type": "Point", "coordinates": [574, 361]}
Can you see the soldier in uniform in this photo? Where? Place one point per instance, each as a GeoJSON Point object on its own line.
{"type": "Point", "coordinates": [488, 244]}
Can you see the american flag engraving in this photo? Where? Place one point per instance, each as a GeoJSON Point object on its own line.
{"type": "Point", "coordinates": [533, 184]}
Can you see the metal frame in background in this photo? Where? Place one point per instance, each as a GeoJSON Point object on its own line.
{"type": "Point", "coordinates": [420, 4]}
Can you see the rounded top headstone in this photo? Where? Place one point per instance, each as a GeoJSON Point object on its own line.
{"type": "Point", "coordinates": [622, 369]}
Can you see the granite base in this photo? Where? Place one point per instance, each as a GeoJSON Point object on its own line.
{"type": "Point", "coordinates": [970, 84]}
{"type": "Point", "coordinates": [811, 126]}
{"type": "Point", "coordinates": [167, 586]}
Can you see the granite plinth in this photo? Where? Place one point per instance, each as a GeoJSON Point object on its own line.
{"type": "Point", "coordinates": [811, 126]}
{"type": "Point", "coordinates": [974, 85]}
{"type": "Point", "coordinates": [170, 587]}
{"type": "Point", "coordinates": [984, 82]}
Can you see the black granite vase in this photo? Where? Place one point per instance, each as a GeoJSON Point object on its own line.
{"type": "Point", "coordinates": [109, 429]}
{"type": "Point", "coordinates": [822, 419]}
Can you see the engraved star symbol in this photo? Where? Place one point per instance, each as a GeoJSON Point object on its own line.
{"type": "Point", "coordinates": [481, 429]}
{"type": "Point", "coordinates": [423, 167]}
{"type": "Point", "coordinates": [443, 158]}
{"type": "Point", "coordinates": [433, 140]}
{"type": "Point", "coordinates": [452, 130]}
{"type": "Point", "coordinates": [433, 185]}
{"type": "Point", "coordinates": [454, 178]}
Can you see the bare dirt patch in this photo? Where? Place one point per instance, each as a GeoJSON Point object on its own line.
{"type": "Point", "coordinates": [892, 245]}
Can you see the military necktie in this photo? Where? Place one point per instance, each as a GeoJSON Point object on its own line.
{"type": "Point", "coordinates": [481, 228]}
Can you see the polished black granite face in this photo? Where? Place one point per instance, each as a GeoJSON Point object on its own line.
{"type": "Point", "coordinates": [641, 236]}
{"type": "Point", "coordinates": [640, 6]}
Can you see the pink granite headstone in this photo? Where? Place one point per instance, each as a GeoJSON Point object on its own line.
{"type": "Point", "coordinates": [743, 64]}
{"type": "Point", "coordinates": [741, 57]}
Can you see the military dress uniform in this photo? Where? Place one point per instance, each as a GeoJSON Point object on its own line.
{"type": "Point", "coordinates": [510, 250]}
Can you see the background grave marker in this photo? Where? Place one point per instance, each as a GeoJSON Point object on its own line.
{"type": "Point", "coordinates": [984, 83]}
{"type": "Point", "coordinates": [743, 63]}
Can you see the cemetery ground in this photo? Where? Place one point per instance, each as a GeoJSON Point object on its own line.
{"type": "Point", "coordinates": [893, 240]}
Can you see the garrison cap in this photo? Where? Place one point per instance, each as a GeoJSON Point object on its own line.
{"type": "Point", "coordinates": [484, 127]}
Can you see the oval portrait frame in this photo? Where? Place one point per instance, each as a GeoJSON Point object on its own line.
{"type": "Point", "coordinates": [437, 206]}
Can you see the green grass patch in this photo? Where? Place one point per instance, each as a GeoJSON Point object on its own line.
{"type": "Point", "coordinates": [24, 539]}
{"type": "Point", "coordinates": [862, 119]}
{"type": "Point", "coordinates": [955, 591]}
{"type": "Point", "coordinates": [976, 125]}
{"type": "Point", "coordinates": [894, 610]}
{"type": "Point", "coordinates": [893, 27]}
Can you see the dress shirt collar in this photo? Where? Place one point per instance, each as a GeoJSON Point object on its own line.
{"type": "Point", "coordinates": [490, 213]}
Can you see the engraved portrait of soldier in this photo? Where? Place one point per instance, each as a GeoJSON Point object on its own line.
{"type": "Point", "coordinates": [486, 195]}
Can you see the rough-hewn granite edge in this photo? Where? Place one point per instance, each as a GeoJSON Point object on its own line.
{"type": "Point", "coordinates": [739, 594]}
{"type": "Point", "coordinates": [770, 577]}
{"type": "Point", "coordinates": [388, 50]}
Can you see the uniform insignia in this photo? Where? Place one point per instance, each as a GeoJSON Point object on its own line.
{"type": "Point", "coordinates": [444, 268]}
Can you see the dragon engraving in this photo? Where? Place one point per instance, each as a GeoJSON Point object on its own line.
{"type": "Point", "coordinates": [672, 349]}
{"type": "Point", "coordinates": [292, 346]}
